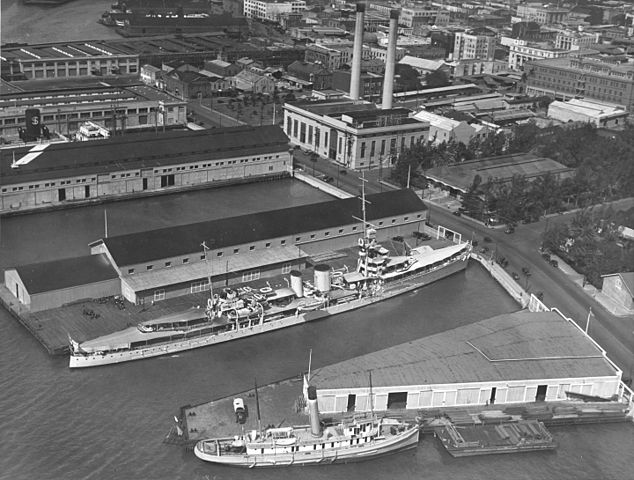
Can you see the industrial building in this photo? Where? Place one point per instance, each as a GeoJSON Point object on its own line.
{"type": "Point", "coordinates": [600, 115]}
{"type": "Point", "coordinates": [119, 106]}
{"type": "Point", "coordinates": [512, 358]}
{"type": "Point", "coordinates": [57, 173]}
{"type": "Point", "coordinates": [155, 265]}
{"type": "Point", "coordinates": [459, 177]}
{"type": "Point", "coordinates": [352, 132]}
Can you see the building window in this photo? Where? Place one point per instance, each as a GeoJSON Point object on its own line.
{"type": "Point", "coordinates": [310, 134]}
{"type": "Point", "coordinates": [268, 245]}
{"type": "Point", "coordinates": [251, 275]}
{"type": "Point", "coordinates": [168, 264]}
{"type": "Point", "coordinates": [149, 267]}
{"type": "Point", "coordinates": [317, 132]}
{"type": "Point", "coordinates": [289, 126]}
{"type": "Point", "coordinates": [287, 267]}
{"type": "Point", "coordinates": [252, 247]}
{"type": "Point", "coordinates": [372, 146]}
{"type": "Point", "coordinates": [130, 271]}
{"type": "Point", "coordinates": [295, 128]}
{"type": "Point", "coordinates": [236, 251]}
{"type": "Point", "coordinates": [327, 234]}
{"type": "Point", "coordinates": [159, 294]}
{"type": "Point", "coordinates": [200, 286]}
{"type": "Point", "coordinates": [219, 254]}
{"type": "Point", "coordinates": [341, 230]}
{"type": "Point", "coordinates": [362, 149]}
{"type": "Point", "coordinates": [185, 260]}
{"type": "Point", "coordinates": [302, 133]}
{"type": "Point", "coordinates": [297, 239]}
{"type": "Point", "coordinates": [283, 242]}
{"type": "Point", "coordinates": [382, 147]}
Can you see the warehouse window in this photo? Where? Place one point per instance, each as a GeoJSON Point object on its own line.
{"type": "Point", "coordinates": [159, 294]}
{"type": "Point", "coordinates": [251, 275]}
{"type": "Point", "coordinates": [200, 286]}
{"type": "Point", "coordinates": [185, 260]}
{"type": "Point", "coordinates": [149, 267]}
{"type": "Point", "coordinates": [287, 267]}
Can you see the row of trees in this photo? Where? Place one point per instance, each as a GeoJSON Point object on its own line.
{"type": "Point", "coordinates": [602, 165]}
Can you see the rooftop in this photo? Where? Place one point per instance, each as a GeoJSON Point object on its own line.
{"type": "Point", "coordinates": [186, 239]}
{"type": "Point", "coordinates": [70, 272]}
{"type": "Point", "coordinates": [138, 151]}
{"type": "Point", "coordinates": [516, 346]}
{"type": "Point", "coordinates": [460, 175]}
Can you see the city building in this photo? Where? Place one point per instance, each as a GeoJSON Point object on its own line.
{"type": "Point", "coordinates": [314, 73]}
{"type": "Point", "coordinates": [444, 129]}
{"type": "Point", "coordinates": [412, 16]}
{"type": "Point", "coordinates": [576, 40]}
{"type": "Point", "coordinates": [330, 56]}
{"type": "Point", "coordinates": [513, 358]}
{"type": "Point", "coordinates": [358, 135]}
{"type": "Point", "coordinates": [423, 65]}
{"type": "Point", "coordinates": [122, 106]}
{"type": "Point", "coordinates": [222, 68]}
{"type": "Point", "coordinates": [588, 77]}
{"type": "Point", "coordinates": [272, 9]}
{"type": "Point", "coordinates": [370, 86]}
{"type": "Point", "coordinates": [598, 114]}
{"type": "Point", "coordinates": [248, 81]}
{"type": "Point", "coordinates": [473, 47]}
{"type": "Point", "coordinates": [42, 175]}
{"type": "Point", "coordinates": [523, 51]}
{"type": "Point", "coordinates": [541, 13]}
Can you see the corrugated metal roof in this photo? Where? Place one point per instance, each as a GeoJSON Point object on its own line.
{"type": "Point", "coordinates": [186, 239]}
{"type": "Point", "coordinates": [510, 347]}
{"type": "Point", "coordinates": [142, 151]}
{"type": "Point", "coordinates": [69, 272]}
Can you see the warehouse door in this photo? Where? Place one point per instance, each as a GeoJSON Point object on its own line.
{"type": "Point", "coordinates": [61, 194]}
{"type": "Point", "coordinates": [352, 400]}
{"type": "Point", "coordinates": [541, 393]}
{"type": "Point", "coordinates": [167, 180]}
{"type": "Point", "coordinates": [396, 400]}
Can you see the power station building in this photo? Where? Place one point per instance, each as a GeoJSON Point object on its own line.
{"type": "Point", "coordinates": [512, 358]}
{"type": "Point", "coordinates": [59, 173]}
{"type": "Point", "coordinates": [170, 262]}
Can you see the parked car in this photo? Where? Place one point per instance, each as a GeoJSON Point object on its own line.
{"type": "Point", "coordinates": [457, 213]}
{"type": "Point", "coordinates": [554, 263]}
{"type": "Point", "coordinates": [515, 276]}
{"type": "Point", "coordinates": [510, 230]}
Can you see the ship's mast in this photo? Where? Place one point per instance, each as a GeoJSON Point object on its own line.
{"type": "Point", "coordinates": [257, 406]}
{"type": "Point", "coordinates": [208, 264]}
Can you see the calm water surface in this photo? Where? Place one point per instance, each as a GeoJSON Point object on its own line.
{"type": "Point", "coordinates": [109, 422]}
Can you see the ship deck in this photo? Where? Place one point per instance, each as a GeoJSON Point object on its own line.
{"type": "Point", "coordinates": [94, 318]}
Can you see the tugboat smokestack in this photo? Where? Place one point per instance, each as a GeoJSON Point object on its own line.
{"type": "Point", "coordinates": [313, 412]}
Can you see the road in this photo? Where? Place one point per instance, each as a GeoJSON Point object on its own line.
{"type": "Point", "coordinates": [614, 334]}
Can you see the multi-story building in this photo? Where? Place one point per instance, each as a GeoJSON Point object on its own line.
{"type": "Point", "coordinates": [570, 40]}
{"type": "Point", "coordinates": [415, 15]}
{"type": "Point", "coordinates": [357, 135]}
{"type": "Point", "coordinates": [473, 47]}
{"type": "Point", "coordinates": [585, 77]}
{"type": "Point", "coordinates": [129, 165]}
{"type": "Point", "coordinates": [330, 56]}
{"type": "Point", "coordinates": [370, 84]}
{"type": "Point", "coordinates": [122, 108]}
{"type": "Point", "coordinates": [542, 14]}
{"type": "Point", "coordinates": [524, 51]}
{"type": "Point", "coordinates": [272, 9]}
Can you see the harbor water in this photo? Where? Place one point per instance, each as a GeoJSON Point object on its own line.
{"type": "Point", "coordinates": [109, 422]}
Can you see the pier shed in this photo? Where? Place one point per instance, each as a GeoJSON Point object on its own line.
{"type": "Point", "coordinates": [512, 358]}
{"type": "Point", "coordinates": [41, 286]}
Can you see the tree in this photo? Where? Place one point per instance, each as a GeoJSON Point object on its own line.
{"type": "Point", "coordinates": [407, 77]}
{"type": "Point", "coordinates": [437, 78]}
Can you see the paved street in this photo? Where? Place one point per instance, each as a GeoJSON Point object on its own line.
{"type": "Point", "coordinates": [614, 334]}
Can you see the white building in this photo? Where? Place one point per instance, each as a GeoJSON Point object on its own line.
{"type": "Point", "coordinates": [599, 114]}
{"type": "Point", "coordinates": [509, 359]}
{"type": "Point", "coordinates": [357, 135]}
{"type": "Point", "coordinates": [520, 54]}
{"type": "Point", "coordinates": [476, 47]}
{"type": "Point", "coordinates": [272, 9]}
{"type": "Point", "coordinates": [411, 16]}
{"type": "Point", "coordinates": [443, 129]}
{"type": "Point", "coordinates": [422, 65]}
{"type": "Point", "coordinates": [571, 40]}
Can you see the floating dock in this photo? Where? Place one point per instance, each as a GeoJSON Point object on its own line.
{"type": "Point", "coordinates": [495, 438]}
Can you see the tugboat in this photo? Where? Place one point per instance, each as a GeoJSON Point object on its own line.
{"type": "Point", "coordinates": [362, 438]}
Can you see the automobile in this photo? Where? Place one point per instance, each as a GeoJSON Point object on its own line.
{"type": "Point", "coordinates": [484, 250]}
{"type": "Point", "coordinates": [515, 276]}
{"type": "Point", "coordinates": [328, 179]}
{"type": "Point", "coordinates": [546, 256]}
{"type": "Point", "coordinates": [457, 213]}
{"type": "Point", "coordinates": [240, 411]}
{"type": "Point", "coordinates": [343, 171]}
{"type": "Point", "coordinates": [554, 263]}
{"type": "Point", "coordinates": [510, 230]}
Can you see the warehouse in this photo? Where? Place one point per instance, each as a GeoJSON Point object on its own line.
{"type": "Point", "coordinates": [62, 173]}
{"type": "Point", "coordinates": [45, 285]}
{"type": "Point", "coordinates": [172, 261]}
{"type": "Point", "coordinates": [512, 358]}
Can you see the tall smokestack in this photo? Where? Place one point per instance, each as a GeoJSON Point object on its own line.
{"type": "Point", "coordinates": [357, 53]}
{"type": "Point", "coordinates": [390, 60]}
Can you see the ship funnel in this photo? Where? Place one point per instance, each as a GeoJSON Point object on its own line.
{"type": "Point", "coordinates": [357, 53]}
{"type": "Point", "coordinates": [322, 278]}
{"type": "Point", "coordinates": [390, 60]}
{"type": "Point", "coordinates": [313, 412]}
{"type": "Point", "coordinates": [296, 283]}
